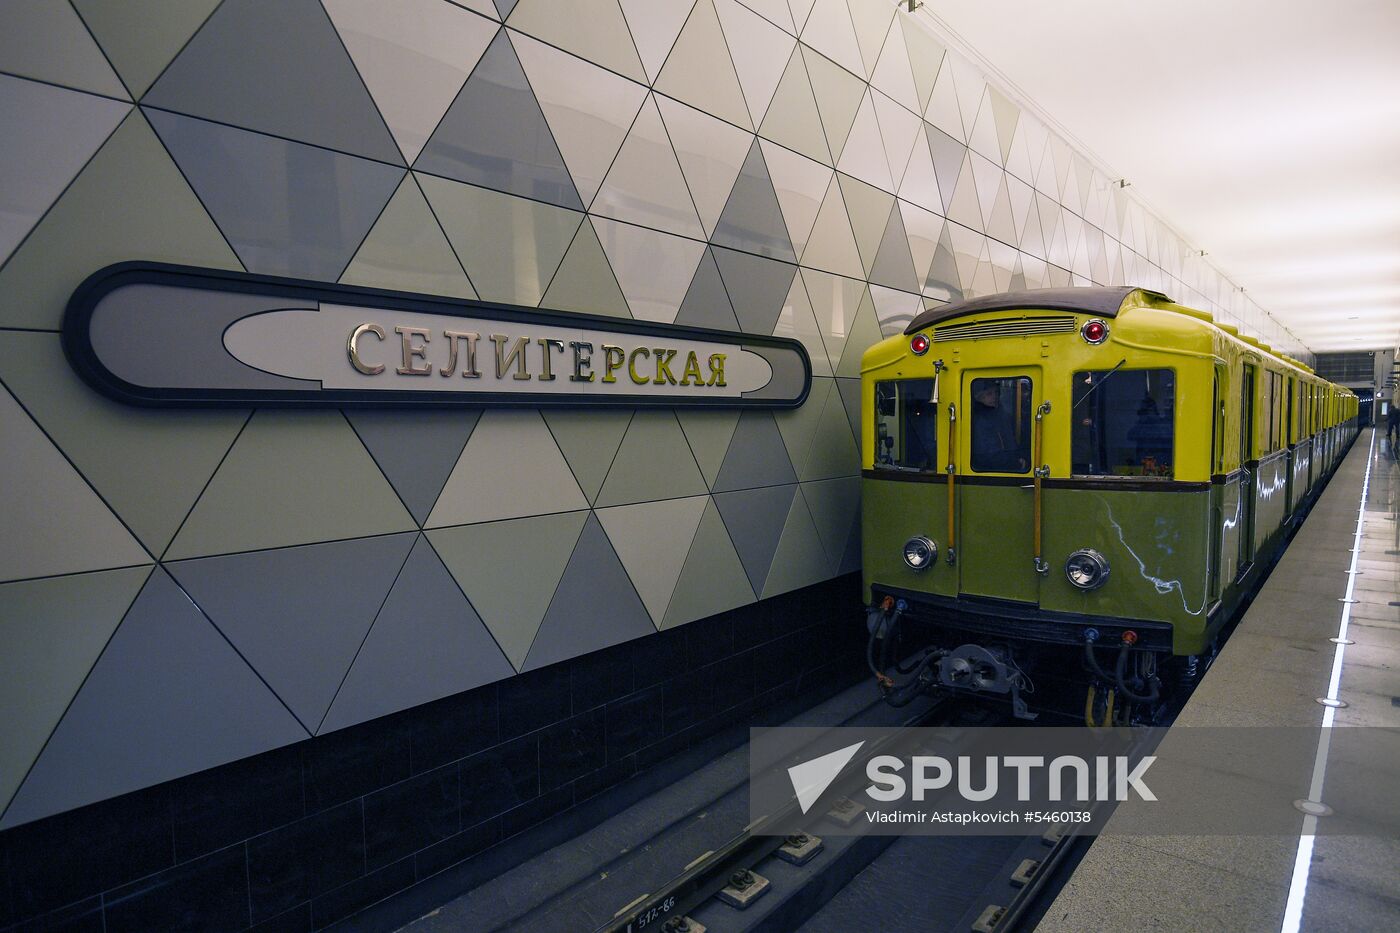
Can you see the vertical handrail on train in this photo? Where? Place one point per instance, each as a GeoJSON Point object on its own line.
{"type": "Point", "coordinates": [952, 470]}
{"type": "Point", "coordinates": [1038, 472]}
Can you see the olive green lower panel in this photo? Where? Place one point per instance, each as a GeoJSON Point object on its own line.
{"type": "Point", "coordinates": [891, 513]}
{"type": "Point", "coordinates": [1158, 548]}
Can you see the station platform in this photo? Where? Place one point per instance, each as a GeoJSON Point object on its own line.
{"type": "Point", "coordinates": [1340, 574]}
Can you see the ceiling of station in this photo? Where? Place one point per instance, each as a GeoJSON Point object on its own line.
{"type": "Point", "coordinates": [1267, 134]}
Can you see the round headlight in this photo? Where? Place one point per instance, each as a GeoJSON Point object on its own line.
{"type": "Point", "coordinates": [1087, 569]}
{"type": "Point", "coordinates": [919, 552]}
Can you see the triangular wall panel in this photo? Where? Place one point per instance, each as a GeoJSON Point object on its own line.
{"type": "Point", "coordinates": [591, 29]}
{"type": "Point", "coordinates": [53, 631]}
{"type": "Point", "coordinates": [509, 570]}
{"type": "Point", "coordinates": [755, 520]}
{"type": "Point", "coordinates": [46, 40]}
{"type": "Point", "coordinates": [129, 202]}
{"type": "Point", "coordinates": [54, 523]}
{"type": "Point", "coordinates": [710, 152]}
{"type": "Point", "coordinates": [168, 697]}
{"type": "Point", "coordinates": [416, 450]}
{"type": "Point", "coordinates": [287, 208]}
{"type": "Point", "coordinates": [588, 108]}
{"type": "Point", "coordinates": [495, 135]}
{"type": "Point", "coordinates": [757, 287]}
{"type": "Point", "coordinates": [298, 615]}
{"type": "Point", "coordinates": [483, 227]}
{"type": "Point", "coordinates": [655, 24]}
{"type": "Point", "coordinates": [713, 578]}
{"type": "Point", "coordinates": [700, 72]}
{"type": "Point", "coordinates": [652, 540]}
{"type": "Point", "coordinates": [407, 251]}
{"type": "Point", "coordinates": [287, 481]}
{"type": "Point", "coordinates": [301, 85]}
{"type": "Point", "coordinates": [706, 302]}
{"type": "Point", "coordinates": [509, 468]}
{"type": "Point", "coordinates": [653, 269]}
{"type": "Point", "coordinates": [645, 185]}
{"type": "Point", "coordinates": [595, 605]}
{"type": "Point", "coordinates": [426, 643]}
{"type": "Point", "coordinates": [62, 129]}
{"type": "Point", "coordinates": [148, 465]}
{"type": "Point", "coordinates": [753, 220]}
{"type": "Point", "coordinates": [792, 118]}
{"type": "Point", "coordinates": [653, 462]}
{"type": "Point", "coordinates": [414, 56]}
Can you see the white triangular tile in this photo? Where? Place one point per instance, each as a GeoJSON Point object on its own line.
{"type": "Point", "coordinates": [414, 57]}
{"type": "Point", "coordinates": [711, 154]}
{"type": "Point", "coordinates": [589, 109]}
{"type": "Point", "coordinates": [653, 269]}
{"type": "Point", "coordinates": [801, 184]}
{"type": "Point", "coordinates": [645, 185]}
{"type": "Point", "coordinates": [760, 52]}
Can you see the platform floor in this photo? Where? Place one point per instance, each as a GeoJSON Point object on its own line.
{"type": "Point", "coordinates": [1272, 669]}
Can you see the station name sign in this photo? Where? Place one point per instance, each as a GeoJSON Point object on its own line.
{"type": "Point", "coordinates": [154, 334]}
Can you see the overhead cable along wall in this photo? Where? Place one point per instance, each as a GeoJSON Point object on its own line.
{"type": "Point", "coordinates": [818, 170]}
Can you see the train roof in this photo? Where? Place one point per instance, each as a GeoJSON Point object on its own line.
{"type": "Point", "coordinates": [1104, 301]}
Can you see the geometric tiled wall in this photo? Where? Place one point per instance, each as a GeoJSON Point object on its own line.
{"type": "Point", "coordinates": [182, 589]}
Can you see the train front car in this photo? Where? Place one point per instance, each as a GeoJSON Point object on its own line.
{"type": "Point", "coordinates": [1037, 485]}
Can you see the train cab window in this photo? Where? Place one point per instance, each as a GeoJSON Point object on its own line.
{"type": "Point", "coordinates": [906, 425]}
{"type": "Point", "coordinates": [1001, 425]}
{"type": "Point", "coordinates": [1123, 423]}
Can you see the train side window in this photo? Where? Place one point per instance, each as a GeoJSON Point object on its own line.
{"type": "Point", "coordinates": [1123, 423]}
{"type": "Point", "coordinates": [906, 425]}
{"type": "Point", "coordinates": [1001, 425]}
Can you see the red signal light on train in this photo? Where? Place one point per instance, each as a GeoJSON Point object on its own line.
{"type": "Point", "coordinates": [1094, 332]}
{"type": "Point", "coordinates": [919, 344]}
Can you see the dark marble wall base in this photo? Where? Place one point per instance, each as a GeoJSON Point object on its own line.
{"type": "Point", "coordinates": [302, 837]}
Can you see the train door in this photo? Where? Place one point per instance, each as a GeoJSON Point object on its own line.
{"type": "Point", "coordinates": [1249, 467]}
{"type": "Point", "coordinates": [995, 499]}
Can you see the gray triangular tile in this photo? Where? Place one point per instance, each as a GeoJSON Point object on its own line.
{"type": "Point", "coordinates": [849, 390]}
{"type": "Point", "coordinates": [752, 220]}
{"type": "Point", "coordinates": [298, 615]}
{"type": "Point", "coordinates": [947, 155]}
{"type": "Point", "coordinates": [53, 631]}
{"type": "Point", "coordinates": [53, 522]}
{"type": "Point", "coordinates": [46, 40]}
{"type": "Point", "coordinates": [757, 455]}
{"type": "Point", "coordinates": [426, 643]}
{"type": "Point", "coordinates": [654, 462]}
{"type": "Point", "coordinates": [755, 519]}
{"type": "Point", "coordinates": [509, 571]}
{"type": "Point", "coordinates": [140, 37]}
{"type": "Point", "coordinates": [125, 452]}
{"type": "Point", "coordinates": [894, 265]}
{"type": "Point", "coordinates": [168, 697]}
{"type": "Point", "coordinates": [495, 135]}
{"type": "Point", "coordinates": [301, 83]}
{"type": "Point", "coordinates": [61, 131]}
{"type": "Point", "coordinates": [416, 450]}
{"type": "Point", "coordinates": [757, 288]}
{"type": "Point", "coordinates": [799, 559]}
{"type": "Point", "coordinates": [713, 578]}
{"type": "Point", "coordinates": [288, 480]}
{"type": "Point", "coordinates": [130, 200]}
{"type": "Point", "coordinates": [286, 208]}
{"type": "Point", "coordinates": [594, 607]}
{"type": "Point", "coordinates": [706, 302]}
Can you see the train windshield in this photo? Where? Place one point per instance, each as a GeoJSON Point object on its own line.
{"type": "Point", "coordinates": [1124, 423]}
{"type": "Point", "coordinates": [906, 425]}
